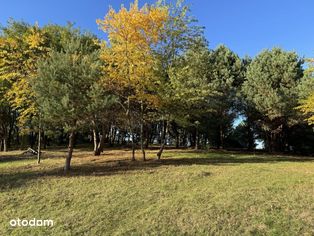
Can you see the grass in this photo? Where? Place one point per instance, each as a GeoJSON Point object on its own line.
{"type": "Point", "coordinates": [186, 193]}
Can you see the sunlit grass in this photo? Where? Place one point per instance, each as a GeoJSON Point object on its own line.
{"type": "Point", "coordinates": [187, 192]}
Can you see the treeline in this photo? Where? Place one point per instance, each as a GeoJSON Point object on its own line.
{"type": "Point", "coordinates": [154, 81]}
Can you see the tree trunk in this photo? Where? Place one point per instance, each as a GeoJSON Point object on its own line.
{"type": "Point", "coordinates": [44, 140]}
{"type": "Point", "coordinates": [284, 138]}
{"type": "Point", "coordinates": [146, 134]}
{"type": "Point", "coordinates": [95, 139]}
{"type": "Point", "coordinates": [67, 166]}
{"type": "Point", "coordinates": [17, 136]}
{"type": "Point", "coordinates": [142, 131]}
{"type": "Point", "coordinates": [271, 142]}
{"type": "Point", "coordinates": [221, 137]}
{"type": "Point", "coordinates": [177, 140]}
{"type": "Point", "coordinates": [250, 136]}
{"type": "Point", "coordinates": [133, 147]}
{"type": "Point", "coordinates": [9, 136]}
{"type": "Point", "coordinates": [184, 139]}
{"type": "Point", "coordinates": [196, 139]}
{"type": "Point", "coordinates": [39, 147]}
{"type": "Point", "coordinates": [101, 143]}
{"type": "Point", "coordinates": [147, 140]}
{"type": "Point", "coordinates": [32, 139]}
{"type": "Point", "coordinates": [130, 130]}
{"type": "Point", "coordinates": [163, 139]}
{"type": "Point", "coordinates": [176, 134]}
{"type": "Point", "coordinates": [114, 135]}
{"type": "Point", "coordinates": [5, 147]}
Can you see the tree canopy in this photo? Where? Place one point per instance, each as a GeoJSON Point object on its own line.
{"type": "Point", "coordinates": [153, 81]}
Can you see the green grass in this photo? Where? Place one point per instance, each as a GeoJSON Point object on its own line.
{"type": "Point", "coordinates": [186, 193]}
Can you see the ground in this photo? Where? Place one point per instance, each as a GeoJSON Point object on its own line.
{"type": "Point", "coordinates": [186, 193]}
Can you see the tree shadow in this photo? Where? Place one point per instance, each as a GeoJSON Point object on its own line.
{"type": "Point", "coordinates": [24, 155]}
{"type": "Point", "coordinates": [103, 167]}
{"type": "Point", "coordinates": [18, 157]}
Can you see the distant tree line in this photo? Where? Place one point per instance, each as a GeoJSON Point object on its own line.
{"type": "Point", "coordinates": [154, 81]}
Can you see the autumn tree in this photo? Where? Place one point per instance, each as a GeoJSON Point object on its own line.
{"type": "Point", "coordinates": [306, 93]}
{"type": "Point", "coordinates": [18, 54]}
{"type": "Point", "coordinates": [130, 61]}
{"type": "Point", "coordinates": [21, 47]}
{"type": "Point", "coordinates": [307, 107]}
{"type": "Point", "coordinates": [5, 118]}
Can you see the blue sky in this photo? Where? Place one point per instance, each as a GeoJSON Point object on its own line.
{"type": "Point", "coordinates": [246, 26]}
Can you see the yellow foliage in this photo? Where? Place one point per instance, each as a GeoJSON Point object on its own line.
{"type": "Point", "coordinates": [35, 39]}
{"type": "Point", "coordinates": [307, 108]}
{"type": "Point", "coordinates": [129, 58]}
{"type": "Point", "coordinates": [18, 65]}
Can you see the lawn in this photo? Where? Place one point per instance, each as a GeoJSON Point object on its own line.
{"type": "Point", "coordinates": [186, 193]}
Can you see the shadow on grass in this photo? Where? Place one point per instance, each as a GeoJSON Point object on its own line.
{"type": "Point", "coordinates": [104, 167]}
{"type": "Point", "coordinates": [19, 157]}
{"type": "Point", "coordinates": [22, 156]}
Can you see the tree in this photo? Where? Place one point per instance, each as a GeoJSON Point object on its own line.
{"type": "Point", "coordinates": [191, 88]}
{"type": "Point", "coordinates": [5, 119]}
{"type": "Point", "coordinates": [132, 35]}
{"type": "Point", "coordinates": [306, 93]}
{"type": "Point", "coordinates": [101, 101]}
{"type": "Point", "coordinates": [246, 111]}
{"type": "Point", "coordinates": [22, 46]}
{"type": "Point", "coordinates": [64, 84]}
{"type": "Point", "coordinates": [180, 34]}
{"type": "Point", "coordinates": [226, 77]}
{"type": "Point", "coordinates": [307, 107]}
{"type": "Point", "coordinates": [270, 87]}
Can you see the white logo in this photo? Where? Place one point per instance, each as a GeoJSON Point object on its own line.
{"type": "Point", "coordinates": [31, 223]}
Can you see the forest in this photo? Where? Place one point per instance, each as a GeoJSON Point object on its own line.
{"type": "Point", "coordinates": [170, 132]}
{"type": "Point", "coordinates": [152, 81]}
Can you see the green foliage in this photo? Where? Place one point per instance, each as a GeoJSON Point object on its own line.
{"type": "Point", "coordinates": [271, 83]}
{"type": "Point", "coordinates": [226, 76]}
{"type": "Point", "coordinates": [271, 87]}
{"type": "Point", "coordinates": [157, 62]}
{"type": "Point", "coordinates": [180, 33]}
{"type": "Point", "coordinates": [65, 81]}
{"type": "Point", "coordinates": [190, 86]}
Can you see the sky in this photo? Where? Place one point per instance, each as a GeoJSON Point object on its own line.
{"type": "Point", "coordinates": [245, 26]}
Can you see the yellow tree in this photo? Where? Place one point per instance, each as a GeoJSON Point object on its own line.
{"type": "Point", "coordinates": [129, 58]}
{"type": "Point", "coordinates": [307, 107]}
{"type": "Point", "coordinates": [20, 49]}
{"type": "Point", "coordinates": [307, 104]}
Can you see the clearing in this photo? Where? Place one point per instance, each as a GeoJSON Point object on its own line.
{"type": "Point", "coordinates": [186, 193]}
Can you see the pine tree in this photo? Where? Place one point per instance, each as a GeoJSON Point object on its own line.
{"type": "Point", "coordinates": [271, 87]}
{"type": "Point", "coordinates": [63, 87]}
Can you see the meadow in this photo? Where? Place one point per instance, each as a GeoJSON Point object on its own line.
{"type": "Point", "coordinates": [185, 193]}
